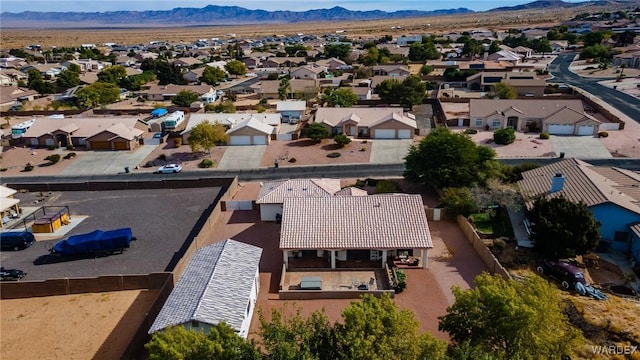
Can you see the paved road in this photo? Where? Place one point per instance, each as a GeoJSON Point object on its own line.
{"type": "Point", "coordinates": [627, 104]}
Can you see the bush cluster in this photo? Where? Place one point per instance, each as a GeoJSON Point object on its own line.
{"type": "Point", "coordinates": [53, 158]}
{"type": "Point", "coordinates": [333, 155]}
{"type": "Point", "coordinates": [603, 134]}
{"type": "Point", "coordinates": [544, 135]}
{"type": "Point", "coordinates": [504, 136]}
{"type": "Point", "coordinates": [206, 163]}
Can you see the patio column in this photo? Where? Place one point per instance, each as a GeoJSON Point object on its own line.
{"type": "Point", "coordinates": [384, 257]}
{"type": "Point", "coordinates": [285, 258]}
{"type": "Point", "coordinates": [333, 259]}
{"type": "Point", "coordinates": [425, 259]}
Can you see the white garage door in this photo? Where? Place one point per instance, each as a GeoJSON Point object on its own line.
{"type": "Point", "coordinates": [385, 134]}
{"type": "Point", "coordinates": [240, 140]}
{"type": "Point", "coordinates": [259, 140]}
{"type": "Point", "coordinates": [404, 134]}
{"type": "Point", "coordinates": [585, 130]}
{"type": "Point", "coordinates": [561, 129]}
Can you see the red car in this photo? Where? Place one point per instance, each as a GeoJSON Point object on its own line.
{"type": "Point", "coordinates": [567, 274]}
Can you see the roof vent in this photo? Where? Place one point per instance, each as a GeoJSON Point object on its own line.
{"type": "Point", "coordinates": [376, 205]}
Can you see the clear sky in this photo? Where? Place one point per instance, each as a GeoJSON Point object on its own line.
{"type": "Point", "coordinates": [386, 5]}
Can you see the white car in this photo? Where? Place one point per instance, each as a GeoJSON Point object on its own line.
{"type": "Point", "coordinates": [169, 169]}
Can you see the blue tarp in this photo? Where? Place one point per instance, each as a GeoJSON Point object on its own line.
{"type": "Point", "coordinates": [96, 241]}
{"type": "Point", "coordinates": [159, 112]}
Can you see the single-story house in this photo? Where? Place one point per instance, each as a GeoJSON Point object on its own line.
{"type": "Point", "coordinates": [355, 228]}
{"type": "Point", "coordinates": [228, 120]}
{"type": "Point", "coordinates": [484, 80]}
{"type": "Point", "coordinates": [610, 193]}
{"type": "Point", "coordinates": [269, 88]}
{"type": "Point", "coordinates": [376, 123]}
{"type": "Point", "coordinates": [251, 132]}
{"type": "Point", "coordinates": [186, 62]}
{"type": "Point", "coordinates": [528, 87]}
{"type": "Point", "coordinates": [96, 133]}
{"type": "Point", "coordinates": [306, 72]}
{"type": "Point", "coordinates": [391, 70]}
{"type": "Point", "coordinates": [273, 193]}
{"type": "Point", "coordinates": [9, 208]}
{"type": "Point", "coordinates": [557, 117]}
{"type": "Point", "coordinates": [10, 95]}
{"type": "Point", "coordinates": [332, 64]}
{"type": "Point", "coordinates": [408, 39]}
{"type": "Point", "coordinates": [166, 92]}
{"type": "Point", "coordinates": [291, 109]}
{"type": "Point", "coordinates": [220, 284]}
{"type": "Point", "coordinates": [362, 92]}
{"type": "Point", "coordinates": [277, 62]}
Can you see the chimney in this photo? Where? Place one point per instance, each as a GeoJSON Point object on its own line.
{"type": "Point", "coordinates": [557, 183]}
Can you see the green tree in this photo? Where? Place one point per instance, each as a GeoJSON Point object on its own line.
{"type": "Point", "coordinates": [205, 136]}
{"type": "Point", "coordinates": [412, 91]}
{"type": "Point", "coordinates": [37, 83]}
{"type": "Point", "coordinates": [212, 75]}
{"type": "Point", "coordinates": [458, 201]}
{"type": "Point", "coordinates": [341, 140]}
{"type": "Point", "coordinates": [562, 228]}
{"type": "Point", "coordinates": [341, 97]}
{"type": "Point", "coordinates": [98, 93]}
{"type": "Point", "coordinates": [112, 74]}
{"type": "Point", "coordinates": [512, 319]}
{"type": "Point", "coordinates": [445, 159]}
{"type": "Point", "coordinates": [541, 45]}
{"type": "Point", "coordinates": [389, 90]}
{"type": "Point", "coordinates": [317, 131]}
{"type": "Point", "coordinates": [70, 77]}
{"type": "Point", "coordinates": [222, 342]}
{"type": "Point", "coordinates": [375, 328]}
{"type": "Point", "coordinates": [184, 98]}
{"type": "Point", "coordinates": [504, 136]}
{"type": "Point", "coordinates": [504, 90]}
{"type": "Point", "coordinates": [236, 68]}
{"type": "Point", "coordinates": [426, 69]}
{"type": "Point", "coordinates": [339, 51]}
{"type": "Point", "coordinates": [284, 88]}
{"type": "Point", "coordinates": [296, 338]}
{"type": "Point", "coordinates": [226, 107]}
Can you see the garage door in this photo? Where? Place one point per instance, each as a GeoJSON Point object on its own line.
{"type": "Point", "coordinates": [585, 130]}
{"type": "Point", "coordinates": [100, 145]}
{"type": "Point", "coordinates": [385, 134]}
{"type": "Point", "coordinates": [561, 129]}
{"type": "Point", "coordinates": [240, 140]}
{"type": "Point", "coordinates": [259, 140]}
{"type": "Point", "coordinates": [404, 134]}
{"type": "Point", "coordinates": [120, 145]}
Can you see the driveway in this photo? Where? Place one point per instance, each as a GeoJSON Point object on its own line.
{"type": "Point", "coordinates": [107, 162]}
{"type": "Point", "coordinates": [390, 151]}
{"type": "Point", "coordinates": [242, 157]}
{"type": "Point", "coordinates": [581, 147]}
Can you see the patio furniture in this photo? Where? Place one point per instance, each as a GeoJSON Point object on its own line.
{"type": "Point", "coordinates": [311, 283]}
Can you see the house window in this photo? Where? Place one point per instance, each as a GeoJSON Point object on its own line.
{"type": "Point", "coordinates": [195, 323]}
{"type": "Point", "coordinates": [495, 124]}
{"type": "Point", "coordinates": [621, 236]}
{"type": "Point", "coordinates": [479, 123]}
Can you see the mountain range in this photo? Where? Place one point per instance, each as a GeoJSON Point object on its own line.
{"type": "Point", "coordinates": [232, 15]}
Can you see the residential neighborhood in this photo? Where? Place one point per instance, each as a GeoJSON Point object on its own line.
{"type": "Point", "coordinates": [278, 187]}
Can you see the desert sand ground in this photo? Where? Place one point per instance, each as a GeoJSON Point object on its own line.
{"type": "Point", "coordinates": [79, 326]}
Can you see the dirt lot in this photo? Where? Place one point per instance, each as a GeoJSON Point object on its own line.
{"type": "Point", "coordinates": [526, 145]}
{"type": "Point", "coordinates": [82, 326]}
{"type": "Point", "coordinates": [181, 155]}
{"type": "Point", "coordinates": [306, 152]}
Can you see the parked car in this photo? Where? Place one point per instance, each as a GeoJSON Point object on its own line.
{"type": "Point", "coordinates": [157, 135]}
{"type": "Point", "coordinates": [11, 274]}
{"type": "Point", "coordinates": [567, 274]}
{"type": "Point", "coordinates": [169, 169]}
{"type": "Point", "coordinates": [16, 240]}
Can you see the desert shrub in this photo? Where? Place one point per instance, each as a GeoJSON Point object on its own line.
{"type": "Point", "coordinates": [292, 160]}
{"type": "Point", "coordinates": [504, 136]}
{"type": "Point", "coordinates": [53, 158]}
{"type": "Point", "coordinates": [499, 244]}
{"type": "Point", "coordinates": [603, 134]}
{"type": "Point", "coordinates": [544, 135]}
{"type": "Point", "coordinates": [177, 142]}
{"type": "Point", "coordinates": [28, 167]}
{"type": "Point", "coordinates": [149, 164]}
{"type": "Point", "coordinates": [52, 147]}
{"type": "Point", "coordinates": [470, 131]}
{"type": "Point", "coordinates": [162, 157]}
{"type": "Point", "coordinates": [386, 186]}
{"type": "Point", "coordinates": [341, 140]}
{"type": "Point", "coordinates": [364, 141]}
{"type": "Point", "coordinates": [70, 147]}
{"type": "Point", "coordinates": [70, 155]}
{"type": "Point", "coordinates": [260, 109]}
{"type": "Point", "coordinates": [333, 155]}
{"type": "Point", "coordinates": [206, 163]}
{"type": "Point", "coordinates": [363, 149]}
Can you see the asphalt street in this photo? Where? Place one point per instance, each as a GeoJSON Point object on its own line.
{"type": "Point", "coordinates": [627, 104]}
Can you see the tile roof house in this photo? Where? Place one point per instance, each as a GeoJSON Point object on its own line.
{"type": "Point", "coordinates": [307, 72]}
{"type": "Point", "coordinates": [391, 70]}
{"type": "Point", "coordinates": [291, 109]}
{"type": "Point", "coordinates": [611, 194]}
{"type": "Point", "coordinates": [231, 121]}
{"type": "Point", "coordinates": [273, 193]}
{"type": "Point", "coordinates": [166, 92]}
{"type": "Point", "coordinates": [215, 287]}
{"type": "Point", "coordinates": [557, 117]}
{"type": "Point", "coordinates": [377, 123]}
{"type": "Point", "coordinates": [251, 132]}
{"type": "Point", "coordinates": [347, 228]}
{"type": "Point", "coordinates": [96, 133]}
{"type": "Point", "coordinates": [9, 95]}
{"type": "Point", "coordinates": [269, 88]}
